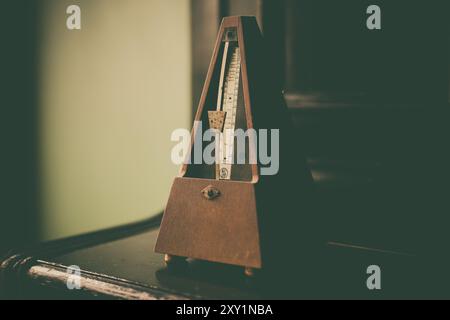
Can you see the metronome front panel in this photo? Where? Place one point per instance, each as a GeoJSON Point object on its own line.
{"type": "Point", "coordinates": [221, 229]}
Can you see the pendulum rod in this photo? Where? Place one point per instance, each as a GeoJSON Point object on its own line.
{"type": "Point", "coordinates": [223, 120]}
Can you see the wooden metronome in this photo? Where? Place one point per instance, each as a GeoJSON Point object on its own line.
{"type": "Point", "coordinates": [230, 213]}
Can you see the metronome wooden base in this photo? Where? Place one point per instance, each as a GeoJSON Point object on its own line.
{"type": "Point", "coordinates": [222, 228]}
{"type": "Point", "coordinates": [171, 260]}
{"type": "Point", "coordinates": [174, 261]}
{"type": "Point", "coordinates": [249, 272]}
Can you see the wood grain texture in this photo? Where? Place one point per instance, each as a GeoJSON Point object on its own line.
{"type": "Point", "coordinates": [224, 229]}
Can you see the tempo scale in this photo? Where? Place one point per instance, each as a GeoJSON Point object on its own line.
{"type": "Point", "coordinates": [223, 120]}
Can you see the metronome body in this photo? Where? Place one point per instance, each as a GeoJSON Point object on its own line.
{"type": "Point", "coordinates": [226, 212]}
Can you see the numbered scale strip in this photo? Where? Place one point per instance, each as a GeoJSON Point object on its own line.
{"type": "Point", "coordinates": [229, 90]}
{"type": "Point", "coordinates": [229, 105]}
